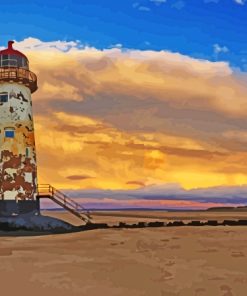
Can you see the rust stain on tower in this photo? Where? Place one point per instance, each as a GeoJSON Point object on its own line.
{"type": "Point", "coordinates": [18, 169]}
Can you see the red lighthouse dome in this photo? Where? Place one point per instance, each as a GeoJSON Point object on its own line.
{"type": "Point", "coordinates": [11, 57]}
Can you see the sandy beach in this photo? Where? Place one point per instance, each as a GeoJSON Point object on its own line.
{"type": "Point", "coordinates": [134, 262]}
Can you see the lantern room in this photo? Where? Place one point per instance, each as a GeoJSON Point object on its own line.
{"type": "Point", "coordinates": [10, 57]}
{"type": "Point", "coordinates": [14, 67]}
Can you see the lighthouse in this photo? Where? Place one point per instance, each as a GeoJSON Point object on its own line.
{"type": "Point", "coordinates": [18, 168]}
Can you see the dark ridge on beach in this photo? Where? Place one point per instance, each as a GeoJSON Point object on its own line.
{"type": "Point", "coordinates": [15, 229]}
{"type": "Point", "coordinates": [164, 224]}
{"type": "Point", "coordinates": [220, 209]}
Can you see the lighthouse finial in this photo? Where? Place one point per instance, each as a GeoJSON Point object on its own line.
{"type": "Point", "coordinates": [10, 44]}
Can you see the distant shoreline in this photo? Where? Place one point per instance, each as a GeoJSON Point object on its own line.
{"type": "Point", "coordinates": [214, 209]}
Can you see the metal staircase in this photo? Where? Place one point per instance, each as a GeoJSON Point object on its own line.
{"type": "Point", "coordinates": [48, 191]}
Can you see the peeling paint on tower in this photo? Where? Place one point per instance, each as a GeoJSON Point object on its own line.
{"type": "Point", "coordinates": [18, 168]}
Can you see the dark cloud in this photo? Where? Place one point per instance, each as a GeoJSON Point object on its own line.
{"type": "Point", "coordinates": [78, 177]}
{"type": "Point", "coordinates": [222, 194]}
{"type": "Point", "coordinates": [138, 183]}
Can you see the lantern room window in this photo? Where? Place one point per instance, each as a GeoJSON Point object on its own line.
{"type": "Point", "coordinates": [4, 97]}
{"type": "Point", "coordinates": [12, 60]}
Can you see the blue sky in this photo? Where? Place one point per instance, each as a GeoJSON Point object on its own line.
{"type": "Point", "coordinates": [208, 29]}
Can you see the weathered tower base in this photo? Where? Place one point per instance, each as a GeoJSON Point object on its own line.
{"type": "Point", "coordinates": [13, 208]}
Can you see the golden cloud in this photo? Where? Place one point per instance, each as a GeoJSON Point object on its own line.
{"type": "Point", "coordinates": [121, 115]}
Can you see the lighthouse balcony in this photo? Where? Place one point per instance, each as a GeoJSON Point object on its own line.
{"type": "Point", "coordinates": [19, 75]}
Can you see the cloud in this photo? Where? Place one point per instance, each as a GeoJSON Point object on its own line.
{"type": "Point", "coordinates": [117, 45]}
{"type": "Point", "coordinates": [78, 177]}
{"type": "Point", "coordinates": [35, 44]}
{"type": "Point", "coordinates": [140, 7]}
{"type": "Point", "coordinates": [158, 2]}
{"type": "Point", "coordinates": [211, 1]}
{"type": "Point", "coordinates": [143, 8]}
{"type": "Point", "coordinates": [165, 196]}
{"type": "Point", "coordinates": [178, 5]}
{"type": "Point", "coordinates": [126, 115]}
{"type": "Point", "coordinates": [220, 49]}
{"type": "Point", "coordinates": [240, 2]}
{"type": "Point", "coordinates": [136, 183]}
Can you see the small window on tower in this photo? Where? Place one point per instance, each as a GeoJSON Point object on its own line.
{"type": "Point", "coordinates": [9, 133]}
{"type": "Point", "coordinates": [4, 97]}
{"type": "Point", "coordinates": [27, 151]}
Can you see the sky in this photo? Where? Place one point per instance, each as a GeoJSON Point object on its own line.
{"type": "Point", "coordinates": [140, 103]}
{"type": "Point", "coordinates": [210, 29]}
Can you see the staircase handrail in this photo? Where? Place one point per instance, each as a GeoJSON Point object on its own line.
{"type": "Point", "coordinates": [64, 199]}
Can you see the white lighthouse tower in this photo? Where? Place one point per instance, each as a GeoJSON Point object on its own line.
{"type": "Point", "coordinates": [18, 169]}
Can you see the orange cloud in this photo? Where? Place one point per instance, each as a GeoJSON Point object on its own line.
{"type": "Point", "coordinates": [121, 115]}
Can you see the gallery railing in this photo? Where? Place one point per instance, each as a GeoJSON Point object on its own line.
{"type": "Point", "coordinates": [19, 75]}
